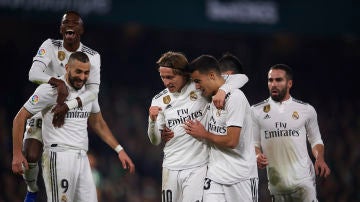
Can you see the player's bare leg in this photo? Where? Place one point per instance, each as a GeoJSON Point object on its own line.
{"type": "Point", "coordinates": [32, 149]}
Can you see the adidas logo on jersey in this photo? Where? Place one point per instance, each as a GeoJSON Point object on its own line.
{"type": "Point", "coordinates": [267, 116]}
{"type": "Point", "coordinates": [167, 107]}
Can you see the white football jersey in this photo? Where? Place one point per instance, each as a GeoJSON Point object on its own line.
{"type": "Point", "coordinates": [73, 133]}
{"type": "Point", "coordinates": [281, 131]}
{"type": "Point", "coordinates": [182, 151]}
{"type": "Point", "coordinates": [226, 165]}
{"type": "Point", "coordinates": [54, 57]}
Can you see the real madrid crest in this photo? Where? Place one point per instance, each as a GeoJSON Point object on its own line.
{"type": "Point", "coordinates": [295, 115]}
{"type": "Point", "coordinates": [193, 96]}
{"type": "Point", "coordinates": [166, 99]}
{"type": "Point", "coordinates": [63, 198]}
{"type": "Point", "coordinates": [61, 55]}
{"type": "Point", "coordinates": [218, 112]}
{"type": "Point", "coordinates": [266, 108]}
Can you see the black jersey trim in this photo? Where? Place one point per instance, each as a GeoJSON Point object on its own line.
{"type": "Point", "coordinates": [260, 103]}
{"type": "Point", "coordinates": [56, 43]}
{"type": "Point", "coordinates": [160, 94]}
{"type": "Point", "coordinates": [41, 62]}
{"type": "Point", "coordinates": [299, 101]}
{"type": "Point", "coordinates": [88, 50]}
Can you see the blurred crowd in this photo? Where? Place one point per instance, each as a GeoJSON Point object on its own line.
{"type": "Point", "coordinates": [323, 77]}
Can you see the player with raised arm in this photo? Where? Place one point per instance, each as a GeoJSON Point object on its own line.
{"type": "Point", "coordinates": [232, 172]}
{"type": "Point", "coordinates": [66, 168]}
{"type": "Point", "coordinates": [48, 65]}
{"type": "Point", "coordinates": [185, 158]}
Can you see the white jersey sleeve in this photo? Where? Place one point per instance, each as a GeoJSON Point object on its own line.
{"type": "Point", "coordinates": [40, 71]}
{"type": "Point", "coordinates": [43, 97]}
{"type": "Point", "coordinates": [93, 82]}
{"type": "Point", "coordinates": [234, 81]}
{"type": "Point", "coordinates": [95, 108]}
{"type": "Point", "coordinates": [312, 128]}
{"type": "Point", "coordinates": [154, 127]}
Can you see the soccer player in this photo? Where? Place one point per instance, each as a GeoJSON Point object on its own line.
{"type": "Point", "coordinates": [48, 64]}
{"type": "Point", "coordinates": [230, 64]}
{"type": "Point", "coordinates": [282, 125]}
{"type": "Point", "coordinates": [185, 158]}
{"type": "Point", "coordinates": [66, 168]}
{"type": "Point", "coordinates": [232, 171]}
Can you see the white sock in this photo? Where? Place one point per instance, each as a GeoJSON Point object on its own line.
{"type": "Point", "coordinates": [30, 177]}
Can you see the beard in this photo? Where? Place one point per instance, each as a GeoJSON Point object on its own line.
{"type": "Point", "coordinates": [73, 80]}
{"type": "Point", "coordinates": [280, 96]}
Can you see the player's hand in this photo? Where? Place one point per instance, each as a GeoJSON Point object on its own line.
{"type": "Point", "coordinates": [154, 112]}
{"type": "Point", "coordinates": [219, 99]}
{"type": "Point", "coordinates": [126, 162]}
{"type": "Point", "coordinates": [321, 168]}
{"type": "Point", "coordinates": [166, 134]}
{"type": "Point", "coordinates": [19, 164]}
{"type": "Point", "coordinates": [261, 160]}
{"type": "Point", "coordinates": [195, 129]}
{"type": "Point", "coordinates": [59, 111]}
{"type": "Point", "coordinates": [61, 89]}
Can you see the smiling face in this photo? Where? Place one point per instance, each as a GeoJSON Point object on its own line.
{"type": "Point", "coordinates": [173, 82]}
{"type": "Point", "coordinates": [71, 29]}
{"type": "Point", "coordinates": [205, 83]}
{"type": "Point", "coordinates": [77, 73]}
{"type": "Point", "coordinates": [279, 85]}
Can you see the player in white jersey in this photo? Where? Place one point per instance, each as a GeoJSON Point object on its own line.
{"type": "Point", "coordinates": [66, 168]}
{"type": "Point", "coordinates": [185, 158]}
{"type": "Point", "coordinates": [282, 126]}
{"type": "Point", "coordinates": [232, 171]}
{"type": "Point", "coordinates": [48, 65]}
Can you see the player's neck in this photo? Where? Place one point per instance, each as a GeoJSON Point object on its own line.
{"type": "Point", "coordinates": [72, 47]}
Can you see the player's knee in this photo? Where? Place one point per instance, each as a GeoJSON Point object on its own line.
{"type": "Point", "coordinates": [32, 150]}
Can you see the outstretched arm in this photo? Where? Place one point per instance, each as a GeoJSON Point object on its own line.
{"type": "Point", "coordinates": [98, 124]}
{"type": "Point", "coordinates": [231, 82]}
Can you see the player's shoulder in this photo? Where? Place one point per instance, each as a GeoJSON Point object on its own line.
{"type": "Point", "coordinates": [89, 50]}
{"type": "Point", "coordinates": [54, 42]}
{"type": "Point", "coordinates": [163, 93]}
{"type": "Point", "coordinates": [300, 102]}
{"type": "Point", "coordinates": [261, 104]}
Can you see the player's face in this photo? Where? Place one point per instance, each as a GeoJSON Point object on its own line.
{"type": "Point", "coordinates": [173, 82]}
{"type": "Point", "coordinates": [78, 73]}
{"type": "Point", "coordinates": [203, 82]}
{"type": "Point", "coordinates": [279, 86]}
{"type": "Point", "coordinates": [71, 28]}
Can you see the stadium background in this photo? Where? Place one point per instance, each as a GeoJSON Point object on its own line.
{"type": "Point", "coordinates": [319, 39]}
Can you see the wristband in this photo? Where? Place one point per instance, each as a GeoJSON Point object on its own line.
{"type": "Point", "coordinates": [118, 148]}
{"type": "Point", "coordinates": [72, 103]}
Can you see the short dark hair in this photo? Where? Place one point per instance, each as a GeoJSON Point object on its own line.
{"type": "Point", "coordinates": [74, 13]}
{"type": "Point", "coordinates": [288, 70]}
{"type": "Point", "coordinates": [204, 64]}
{"type": "Point", "coordinates": [80, 56]}
{"type": "Point", "coordinates": [229, 62]}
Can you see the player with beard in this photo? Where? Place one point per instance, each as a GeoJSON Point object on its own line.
{"type": "Point", "coordinates": [66, 168]}
{"type": "Point", "coordinates": [282, 126]}
{"type": "Point", "coordinates": [48, 65]}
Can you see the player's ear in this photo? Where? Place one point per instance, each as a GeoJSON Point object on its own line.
{"type": "Point", "coordinates": [290, 83]}
{"type": "Point", "coordinates": [67, 67]}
